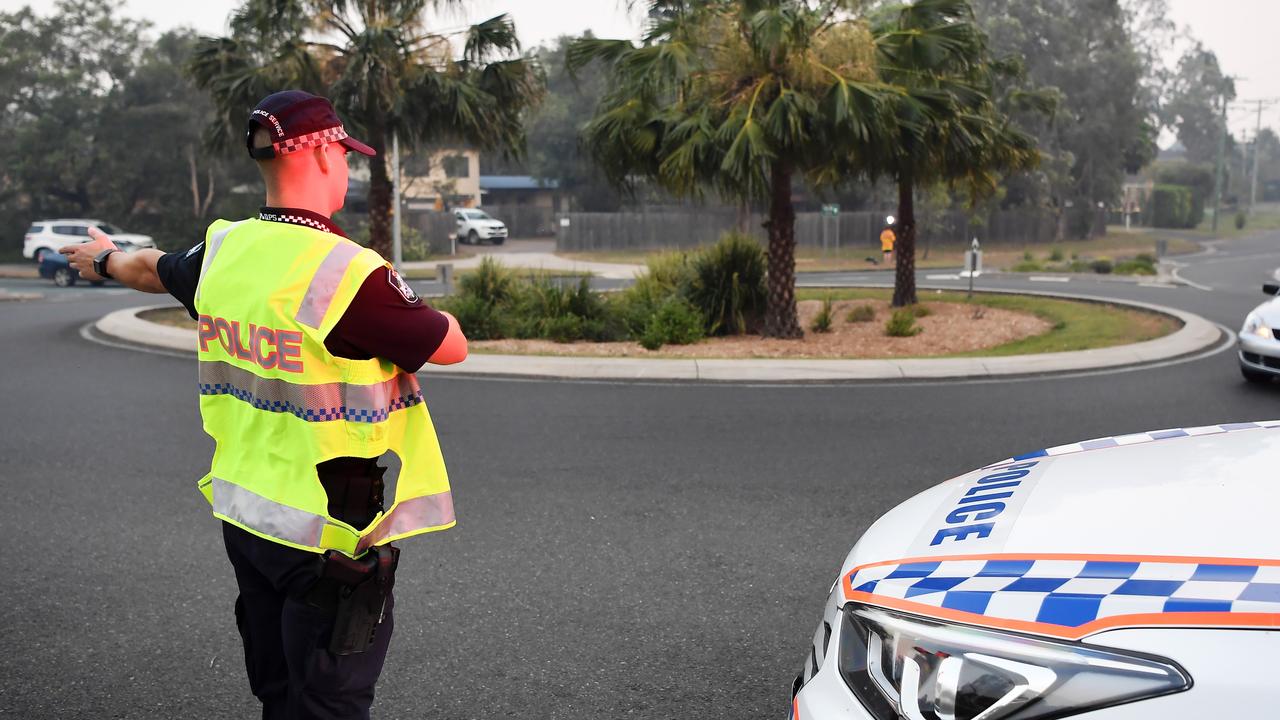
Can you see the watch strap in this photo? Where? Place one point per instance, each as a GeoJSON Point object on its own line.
{"type": "Point", "coordinates": [100, 263]}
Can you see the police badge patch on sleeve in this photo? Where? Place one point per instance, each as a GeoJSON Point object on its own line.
{"type": "Point", "coordinates": [402, 287]}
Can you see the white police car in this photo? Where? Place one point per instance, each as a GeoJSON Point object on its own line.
{"type": "Point", "coordinates": [1121, 578]}
{"type": "Point", "coordinates": [1259, 351]}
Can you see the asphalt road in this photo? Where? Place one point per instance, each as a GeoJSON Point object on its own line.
{"type": "Point", "coordinates": [646, 551]}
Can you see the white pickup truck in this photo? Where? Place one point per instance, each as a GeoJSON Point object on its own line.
{"type": "Point", "coordinates": [475, 226]}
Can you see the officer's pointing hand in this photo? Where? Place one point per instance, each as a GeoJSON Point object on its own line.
{"type": "Point", "coordinates": [81, 256]}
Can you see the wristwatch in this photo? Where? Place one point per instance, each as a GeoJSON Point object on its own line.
{"type": "Point", "coordinates": [100, 263]}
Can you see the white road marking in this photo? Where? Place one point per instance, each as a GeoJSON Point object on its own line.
{"type": "Point", "coordinates": [1048, 278]}
{"type": "Point", "coordinates": [1185, 281]}
{"type": "Point", "coordinates": [941, 277]}
{"type": "Point", "coordinates": [1157, 285]}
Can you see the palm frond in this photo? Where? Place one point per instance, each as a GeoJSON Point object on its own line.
{"type": "Point", "coordinates": [495, 37]}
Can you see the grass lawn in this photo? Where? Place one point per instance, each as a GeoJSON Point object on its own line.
{"type": "Point", "coordinates": [1266, 216]}
{"type": "Point", "coordinates": [1116, 245]}
{"type": "Point", "coordinates": [1076, 325]}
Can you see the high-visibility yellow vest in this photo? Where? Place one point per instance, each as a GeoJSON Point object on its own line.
{"type": "Point", "coordinates": [278, 403]}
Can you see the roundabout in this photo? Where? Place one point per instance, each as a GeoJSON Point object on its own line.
{"type": "Point", "coordinates": [1195, 335]}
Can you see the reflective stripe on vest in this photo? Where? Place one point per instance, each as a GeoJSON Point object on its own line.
{"type": "Point", "coordinates": [211, 250]}
{"type": "Point", "coordinates": [313, 403]}
{"type": "Point", "coordinates": [299, 527]}
{"type": "Point", "coordinates": [315, 304]}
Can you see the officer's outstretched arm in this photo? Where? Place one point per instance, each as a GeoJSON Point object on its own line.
{"type": "Point", "coordinates": [136, 270]}
{"type": "Point", "coordinates": [454, 347]}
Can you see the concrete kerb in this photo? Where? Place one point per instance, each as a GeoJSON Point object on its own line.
{"type": "Point", "coordinates": [1196, 334]}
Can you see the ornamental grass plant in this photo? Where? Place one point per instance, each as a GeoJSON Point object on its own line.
{"type": "Point", "coordinates": [681, 298]}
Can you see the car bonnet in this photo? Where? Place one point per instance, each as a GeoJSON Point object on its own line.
{"type": "Point", "coordinates": [1085, 529]}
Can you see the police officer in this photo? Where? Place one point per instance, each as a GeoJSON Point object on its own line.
{"type": "Point", "coordinates": [308, 345]}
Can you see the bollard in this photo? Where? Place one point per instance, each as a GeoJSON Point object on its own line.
{"type": "Point", "coordinates": [1162, 248]}
{"type": "Point", "coordinates": [444, 273]}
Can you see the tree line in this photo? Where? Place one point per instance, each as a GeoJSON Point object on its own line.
{"type": "Point", "coordinates": [972, 103]}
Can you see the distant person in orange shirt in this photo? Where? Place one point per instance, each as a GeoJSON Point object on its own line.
{"type": "Point", "coordinates": [887, 238]}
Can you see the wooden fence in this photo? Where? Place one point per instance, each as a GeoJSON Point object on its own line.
{"type": "Point", "coordinates": [692, 227]}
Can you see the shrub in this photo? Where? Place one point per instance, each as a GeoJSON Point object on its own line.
{"type": "Point", "coordinates": [1240, 220]}
{"type": "Point", "coordinates": [478, 319]}
{"type": "Point", "coordinates": [1171, 207]}
{"type": "Point", "coordinates": [1102, 266]}
{"type": "Point", "coordinates": [1134, 267]}
{"type": "Point", "coordinates": [1198, 179]}
{"type": "Point", "coordinates": [920, 311]}
{"type": "Point", "coordinates": [544, 308]}
{"type": "Point", "coordinates": [676, 322]}
{"type": "Point", "coordinates": [1079, 266]}
{"type": "Point", "coordinates": [562, 329]}
{"type": "Point", "coordinates": [672, 271]}
{"type": "Point", "coordinates": [669, 275]}
{"type": "Point", "coordinates": [861, 313]}
{"type": "Point", "coordinates": [492, 282]}
{"type": "Point", "coordinates": [1027, 266]}
{"type": "Point", "coordinates": [728, 284]}
{"type": "Point", "coordinates": [1055, 255]}
{"type": "Point", "coordinates": [1027, 256]}
{"type": "Point", "coordinates": [1147, 258]}
{"type": "Point", "coordinates": [902, 324]}
{"type": "Point", "coordinates": [822, 321]}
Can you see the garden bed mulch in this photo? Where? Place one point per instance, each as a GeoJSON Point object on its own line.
{"type": "Point", "coordinates": [950, 328]}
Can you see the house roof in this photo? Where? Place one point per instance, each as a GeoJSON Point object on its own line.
{"type": "Point", "coordinates": [516, 182]}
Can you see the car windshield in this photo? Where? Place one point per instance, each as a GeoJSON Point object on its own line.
{"type": "Point", "coordinates": [109, 229]}
{"type": "Point", "coordinates": [476, 215]}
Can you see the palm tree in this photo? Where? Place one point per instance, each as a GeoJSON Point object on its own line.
{"type": "Point", "coordinates": [385, 71]}
{"type": "Point", "coordinates": [945, 125]}
{"type": "Point", "coordinates": [742, 97]}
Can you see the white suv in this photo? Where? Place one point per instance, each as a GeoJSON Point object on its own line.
{"type": "Point", "coordinates": [46, 236]}
{"type": "Point", "coordinates": [473, 226]}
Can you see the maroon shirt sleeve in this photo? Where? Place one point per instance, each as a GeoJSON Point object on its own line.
{"type": "Point", "coordinates": [387, 320]}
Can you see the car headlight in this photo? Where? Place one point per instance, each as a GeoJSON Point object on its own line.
{"type": "Point", "coordinates": [903, 666]}
{"type": "Point", "coordinates": [1253, 325]}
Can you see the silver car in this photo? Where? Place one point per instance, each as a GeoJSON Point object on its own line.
{"type": "Point", "coordinates": [1259, 344]}
{"type": "Point", "coordinates": [46, 237]}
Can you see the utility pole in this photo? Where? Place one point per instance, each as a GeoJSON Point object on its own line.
{"type": "Point", "coordinates": [397, 251]}
{"type": "Point", "coordinates": [1217, 174]}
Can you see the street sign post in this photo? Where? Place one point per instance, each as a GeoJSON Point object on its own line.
{"type": "Point", "coordinates": [830, 211]}
{"type": "Point", "coordinates": [973, 263]}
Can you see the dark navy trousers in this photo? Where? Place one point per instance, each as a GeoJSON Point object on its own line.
{"type": "Point", "coordinates": [291, 670]}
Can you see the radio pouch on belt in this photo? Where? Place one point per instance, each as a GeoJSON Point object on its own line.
{"type": "Point", "coordinates": [361, 603]}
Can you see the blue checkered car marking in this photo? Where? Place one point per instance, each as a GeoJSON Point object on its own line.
{"type": "Point", "coordinates": [327, 414]}
{"type": "Point", "coordinates": [1139, 438]}
{"type": "Point", "coordinates": [1073, 593]}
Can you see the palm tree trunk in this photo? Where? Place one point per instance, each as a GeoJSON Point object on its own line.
{"type": "Point", "coordinates": [780, 319]}
{"type": "Point", "coordinates": [379, 196]}
{"type": "Point", "coordinates": [904, 248]}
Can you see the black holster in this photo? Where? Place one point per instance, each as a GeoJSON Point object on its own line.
{"type": "Point", "coordinates": [356, 591]}
{"type": "Point", "coordinates": [354, 487]}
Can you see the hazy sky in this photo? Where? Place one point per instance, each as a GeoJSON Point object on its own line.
{"type": "Point", "coordinates": [1241, 32]}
